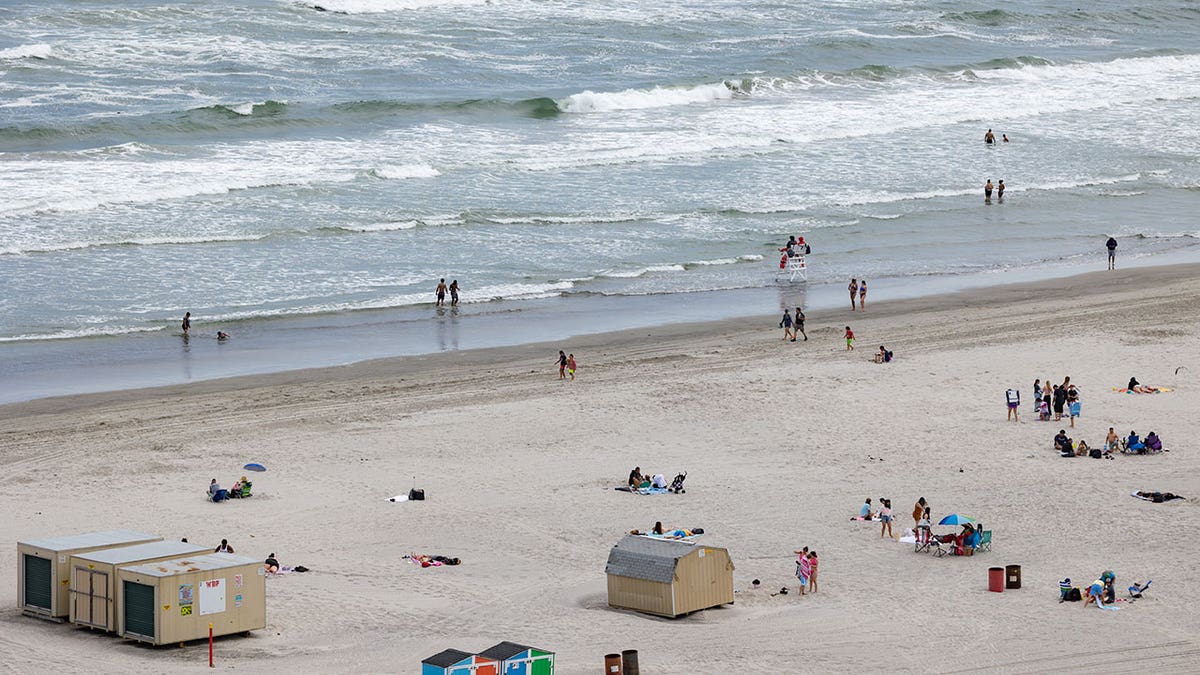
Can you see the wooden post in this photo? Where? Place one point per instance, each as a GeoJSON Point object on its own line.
{"type": "Point", "coordinates": [210, 646]}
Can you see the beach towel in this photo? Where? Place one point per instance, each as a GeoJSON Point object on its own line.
{"type": "Point", "coordinates": [1157, 390]}
{"type": "Point", "coordinates": [864, 519]}
{"type": "Point", "coordinates": [653, 491]}
{"type": "Point", "coordinates": [674, 535]}
{"type": "Point", "coordinates": [1135, 495]}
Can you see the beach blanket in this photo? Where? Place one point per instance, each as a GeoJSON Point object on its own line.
{"type": "Point", "coordinates": [674, 535]}
{"type": "Point", "coordinates": [643, 491]}
{"type": "Point", "coordinates": [1157, 390]}
{"type": "Point", "coordinates": [430, 560]}
{"type": "Point", "coordinates": [860, 518]}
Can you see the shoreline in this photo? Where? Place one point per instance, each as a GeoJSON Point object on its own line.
{"type": "Point", "coordinates": [660, 339]}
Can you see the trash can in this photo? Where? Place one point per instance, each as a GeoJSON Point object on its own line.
{"type": "Point", "coordinates": [629, 662]}
{"type": "Point", "coordinates": [612, 664]}
{"type": "Point", "coordinates": [1013, 574]}
{"type": "Point", "coordinates": [996, 579]}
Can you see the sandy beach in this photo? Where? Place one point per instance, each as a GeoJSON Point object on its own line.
{"type": "Point", "coordinates": [781, 442]}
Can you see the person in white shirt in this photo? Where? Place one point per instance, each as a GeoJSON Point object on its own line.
{"type": "Point", "coordinates": [659, 481]}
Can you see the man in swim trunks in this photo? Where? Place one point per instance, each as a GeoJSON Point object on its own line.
{"type": "Point", "coordinates": [989, 137]}
{"type": "Point", "coordinates": [987, 191]}
{"type": "Point", "coordinates": [1112, 253]}
{"type": "Point", "coordinates": [187, 322]}
{"type": "Point", "coordinates": [441, 293]}
{"type": "Point", "coordinates": [799, 322]}
{"type": "Point", "coordinates": [454, 290]}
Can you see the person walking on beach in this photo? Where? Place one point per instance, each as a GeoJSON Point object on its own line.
{"type": "Point", "coordinates": [562, 365]}
{"type": "Point", "coordinates": [885, 516]}
{"type": "Point", "coordinates": [1112, 253]}
{"type": "Point", "coordinates": [441, 293]}
{"type": "Point", "coordinates": [862, 295]}
{"type": "Point", "coordinates": [849, 339]}
{"type": "Point", "coordinates": [571, 366]}
{"type": "Point", "coordinates": [1000, 190]}
{"type": "Point", "coordinates": [989, 137]}
{"type": "Point", "coordinates": [853, 288]}
{"type": "Point", "coordinates": [799, 330]}
{"type": "Point", "coordinates": [987, 191]}
{"type": "Point", "coordinates": [454, 292]}
{"type": "Point", "coordinates": [786, 324]}
{"type": "Point", "coordinates": [1013, 397]}
{"type": "Point", "coordinates": [187, 323]}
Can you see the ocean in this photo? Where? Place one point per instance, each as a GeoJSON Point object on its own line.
{"type": "Point", "coordinates": [300, 174]}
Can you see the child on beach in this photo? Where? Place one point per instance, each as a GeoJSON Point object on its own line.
{"type": "Point", "coordinates": [849, 339]}
{"type": "Point", "coordinates": [562, 365]}
{"type": "Point", "coordinates": [571, 365]}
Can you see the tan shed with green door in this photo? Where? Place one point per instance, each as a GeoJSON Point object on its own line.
{"type": "Point", "coordinates": [94, 598]}
{"type": "Point", "coordinates": [668, 578]}
{"type": "Point", "coordinates": [44, 570]}
{"type": "Point", "coordinates": [174, 600]}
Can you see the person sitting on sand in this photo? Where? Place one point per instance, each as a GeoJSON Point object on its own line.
{"type": "Point", "coordinates": [1139, 388]}
{"type": "Point", "coordinates": [271, 564]}
{"type": "Point", "coordinates": [883, 355]}
{"type": "Point", "coordinates": [659, 481]}
{"type": "Point", "coordinates": [865, 511]}
{"type": "Point", "coordinates": [635, 478]}
{"type": "Point", "coordinates": [1043, 411]}
{"type": "Point", "coordinates": [1081, 450]}
{"type": "Point", "coordinates": [924, 527]}
{"type": "Point", "coordinates": [1134, 443]}
{"type": "Point", "coordinates": [1153, 443]}
{"type": "Point", "coordinates": [658, 528]}
{"type": "Point", "coordinates": [1111, 441]}
{"type": "Point", "coordinates": [1061, 442]}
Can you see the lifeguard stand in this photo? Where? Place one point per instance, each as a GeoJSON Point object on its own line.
{"type": "Point", "coordinates": [792, 267]}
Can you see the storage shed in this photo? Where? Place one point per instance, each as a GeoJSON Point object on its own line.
{"type": "Point", "coordinates": [94, 597]}
{"type": "Point", "coordinates": [668, 578]}
{"type": "Point", "coordinates": [174, 600]}
{"type": "Point", "coordinates": [44, 571]}
{"type": "Point", "coordinates": [518, 659]}
{"type": "Point", "coordinates": [456, 662]}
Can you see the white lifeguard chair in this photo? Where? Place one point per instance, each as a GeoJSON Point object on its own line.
{"type": "Point", "coordinates": [792, 267]}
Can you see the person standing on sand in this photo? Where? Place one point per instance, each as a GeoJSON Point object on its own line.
{"type": "Point", "coordinates": [987, 191]}
{"type": "Point", "coordinates": [571, 366]}
{"type": "Point", "coordinates": [803, 568]}
{"type": "Point", "coordinates": [562, 365]}
{"type": "Point", "coordinates": [454, 291]}
{"type": "Point", "coordinates": [862, 295]}
{"type": "Point", "coordinates": [786, 324]}
{"type": "Point", "coordinates": [187, 323]}
{"type": "Point", "coordinates": [441, 293]}
{"type": "Point", "coordinates": [1000, 190]}
{"type": "Point", "coordinates": [1013, 398]}
{"type": "Point", "coordinates": [799, 330]}
{"type": "Point", "coordinates": [885, 515]}
{"type": "Point", "coordinates": [812, 576]}
{"type": "Point", "coordinates": [1112, 253]}
{"type": "Point", "coordinates": [989, 137]}
{"type": "Point", "coordinates": [849, 339]}
{"type": "Point", "coordinates": [853, 288]}
{"type": "Point", "coordinates": [919, 510]}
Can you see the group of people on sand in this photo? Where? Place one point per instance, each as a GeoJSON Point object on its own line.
{"type": "Point", "coordinates": [240, 489]}
{"type": "Point", "coordinates": [638, 480]}
{"type": "Point", "coordinates": [806, 570]}
{"type": "Point", "coordinates": [566, 365]}
{"type": "Point", "coordinates": [793, 326]}
{"type": "Point", "coordinates": [1059, 398]}
{"type": "Point", "coordinates": [858, 291]}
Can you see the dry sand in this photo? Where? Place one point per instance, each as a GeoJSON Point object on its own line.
{"type": "Point", "coordinates": [776, 438]}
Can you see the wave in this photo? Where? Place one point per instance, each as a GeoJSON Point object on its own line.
{"type": "Point", "coordinates": [754, 257]}
{"type": "Point", "coordinates": [402, 172]}
{"type": "Point", "coordinates": [38, 51]}
{"type": "Point", "coordinates": [382, 6]}
{"type": "Point", "coordinates": [95, 331]}
{"type": "Point", "coordinates": [376, 227]}
{"type": "Point", "coordinates": [640, 272]}
{"type": "Point", "coordinates": [638, 99]}
{"type": "Point", "coordinates": [25, 249]}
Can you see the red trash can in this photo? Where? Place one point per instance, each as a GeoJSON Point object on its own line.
{"type": "Point", "coordinates": [996, 579]}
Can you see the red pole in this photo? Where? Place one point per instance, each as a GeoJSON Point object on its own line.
{"type": "Point", "coordinates": [210, 660]}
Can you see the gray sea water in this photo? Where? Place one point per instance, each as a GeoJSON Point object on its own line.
{"type": "Point", "coordinates": [327, 161]}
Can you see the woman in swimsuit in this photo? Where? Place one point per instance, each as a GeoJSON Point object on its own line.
{"type": "Point", "coordinates": [862, 295]}
{"type": "Point", "coordinates": [853, 288]}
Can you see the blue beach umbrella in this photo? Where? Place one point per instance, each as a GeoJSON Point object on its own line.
{"type": "Point", "coordinates": [955, 519]}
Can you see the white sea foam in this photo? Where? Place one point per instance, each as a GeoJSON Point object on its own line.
{"type": "Point", "coordinates": [92, 331]}
{"type": "Point", "coordinates": [637, 99]}
{"type": "Point", "coordinates": [382, 6]}
{"type": "Point", "coordinates": [21, 248]}
{"type": "Point", "coordinates": [633, 274]}
{"type": "Point", "coordinates": [380, 227]}
{"type": "Point", "coordinates": [38, 51]}
{"type": "Point", "coordinates": [404, 171]}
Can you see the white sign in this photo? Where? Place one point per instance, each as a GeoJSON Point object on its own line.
{"type": "Point", "coordinates": [212, 596]}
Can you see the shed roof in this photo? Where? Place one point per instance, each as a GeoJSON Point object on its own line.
{"type": "Point", "coordinates": [90, 540]}
{"type": "Point", "coordinates": [503, 650]}
{"type": "Point", "coordinates": [199, 563]}
{"type": "Point", "coordinates": [646, 558]}
{"type": "Point", "coordinates": [447, 658]}
{"type": "Point", "coordinates": [154, 549]}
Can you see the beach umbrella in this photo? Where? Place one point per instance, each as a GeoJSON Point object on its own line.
{"type": "Point", "coordinates": [955, 519]}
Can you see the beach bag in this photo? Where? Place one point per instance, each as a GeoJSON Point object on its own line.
{"type": "Point", "coordinates": [1095, 453]}
{"type": "Point", "coordinates": [415, 495]}
{"type": "Point", "coordinates": [1074, 595]}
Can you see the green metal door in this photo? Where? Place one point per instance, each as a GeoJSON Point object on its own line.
{"type": "Point", "coordinates": [38, 582]}
{"type": "Point", "coordinates": [139, 609]}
